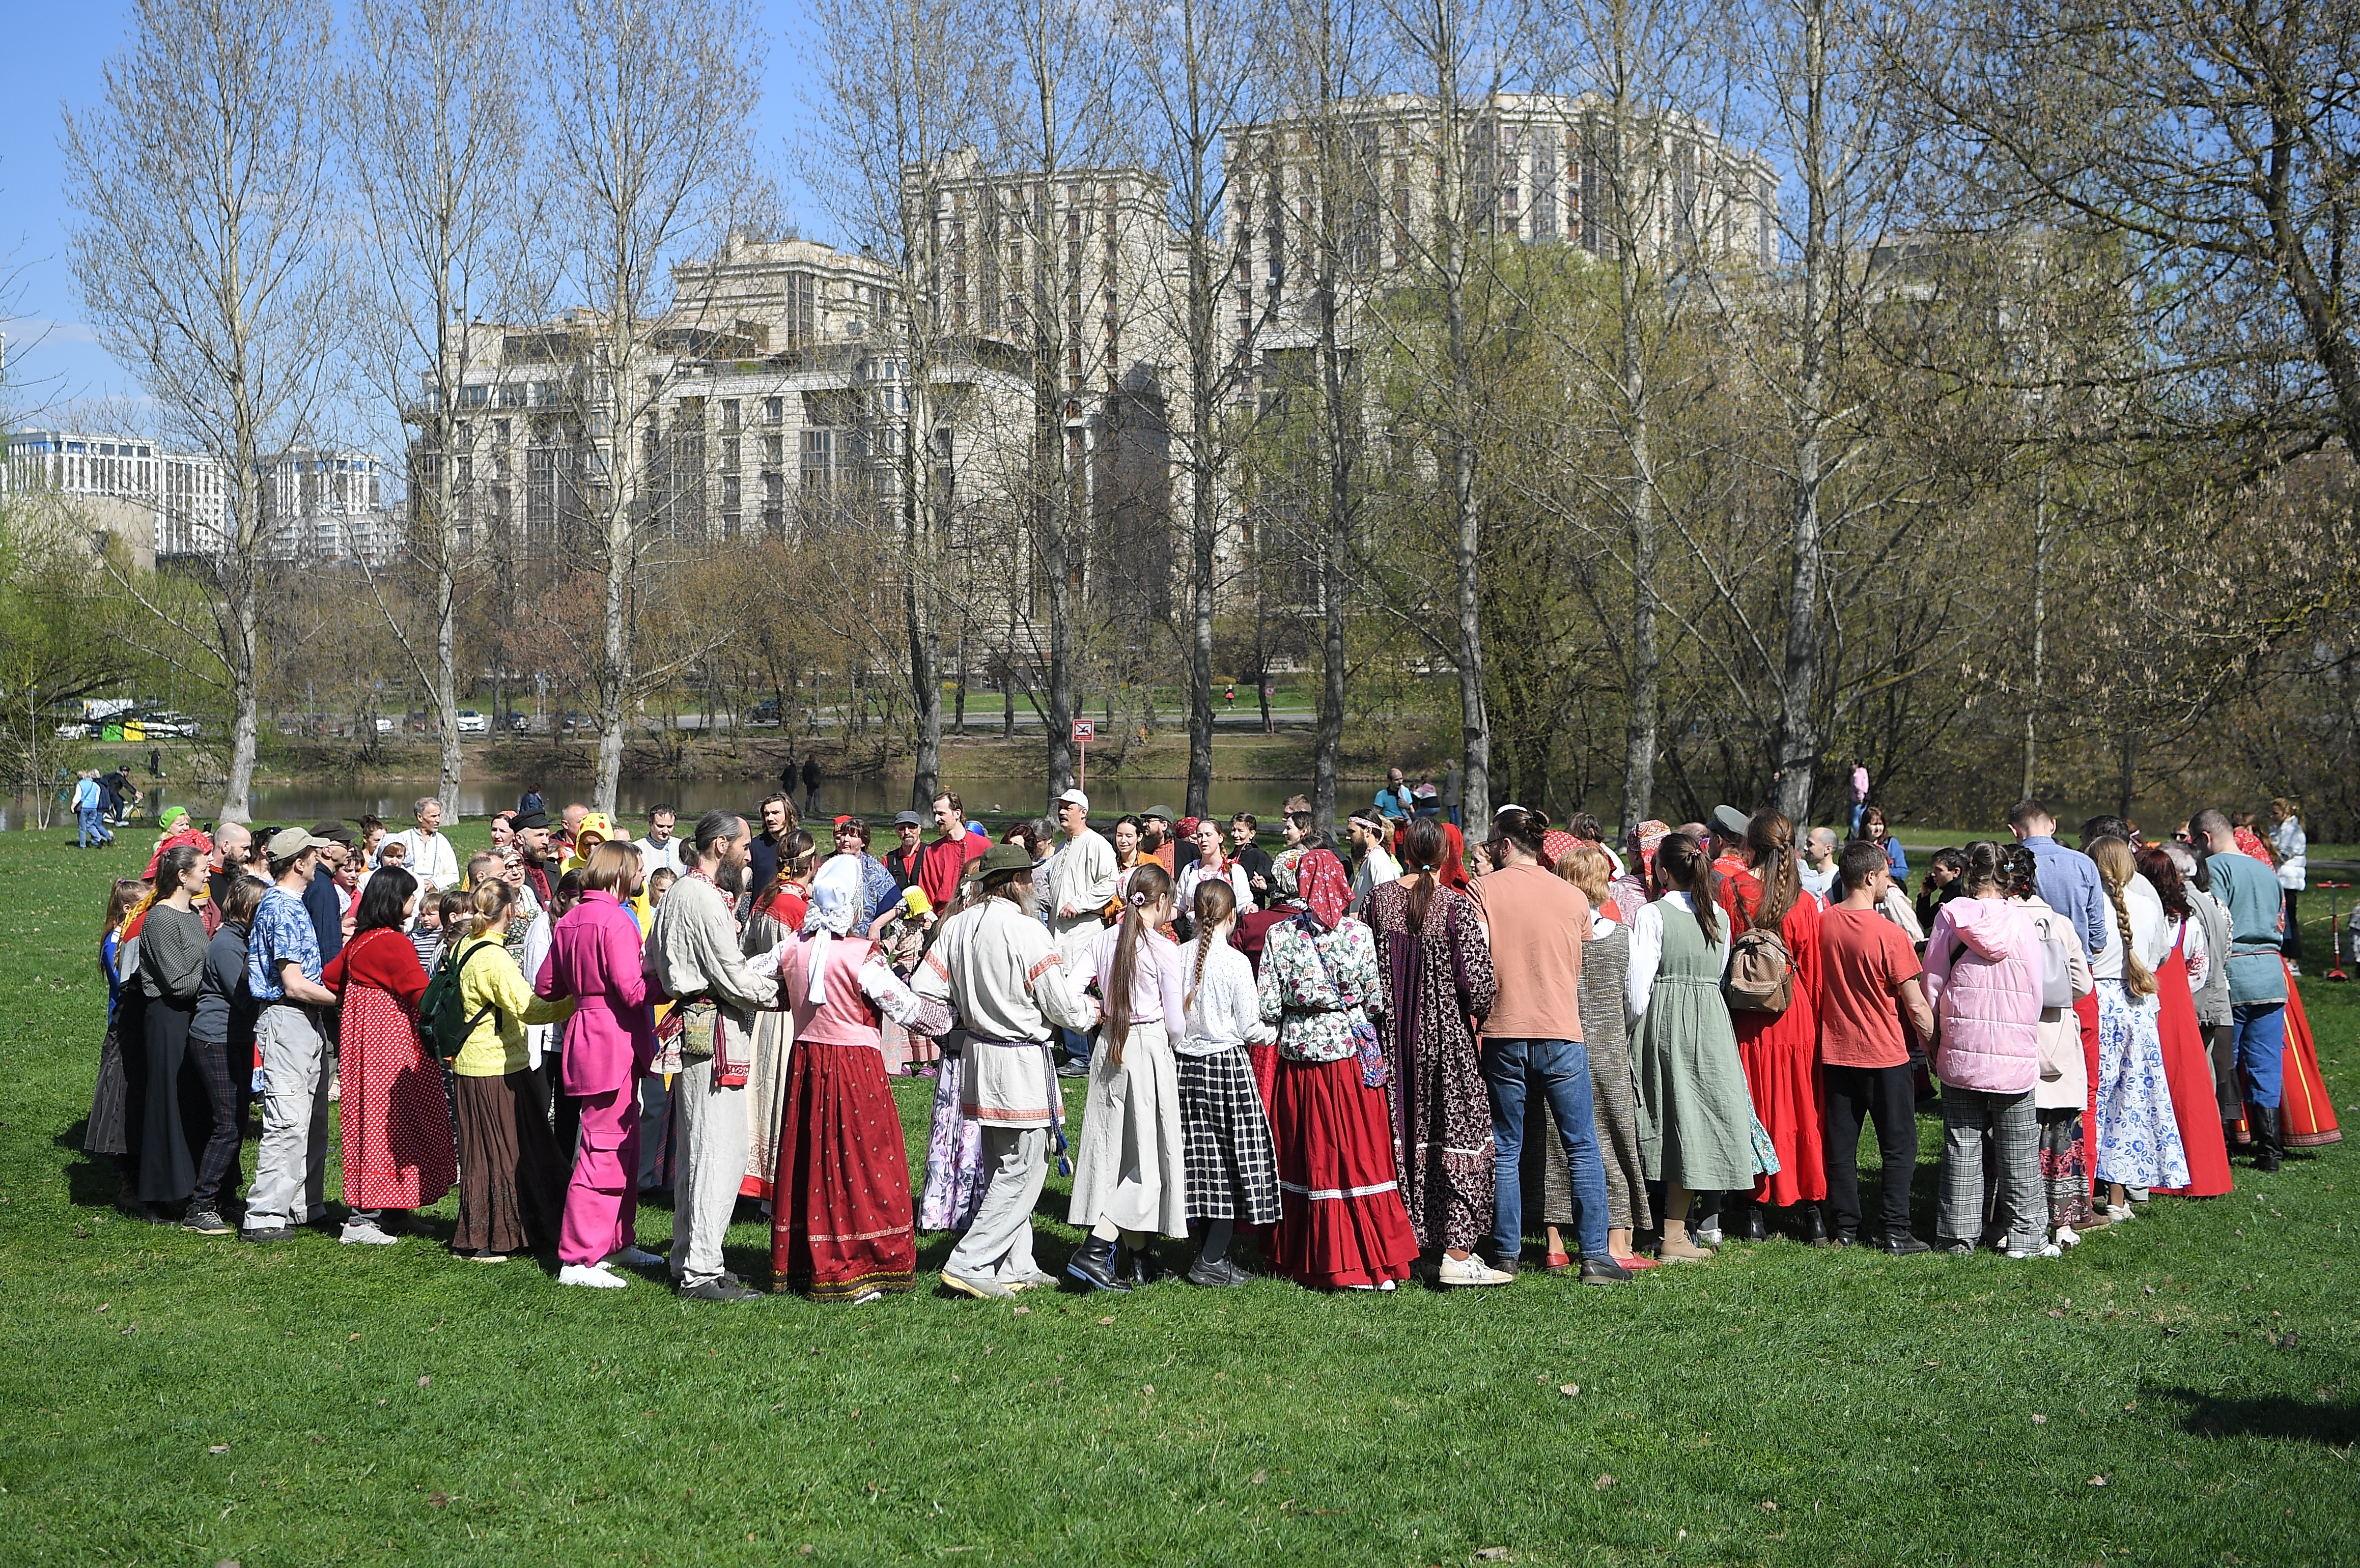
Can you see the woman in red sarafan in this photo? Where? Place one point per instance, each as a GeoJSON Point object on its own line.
{"type": "Point", "coordinates": [2187, 1068]}
{"type": "Point", "coordinates": [396, 1122]}
{"type": "Point", "coordinates": [1781, 1050]}
{"type": "Point", "coordinates": [841, 1228]}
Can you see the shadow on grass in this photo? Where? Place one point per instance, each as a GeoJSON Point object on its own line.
{"type": "Point", "coordinates": [2276, 1417]}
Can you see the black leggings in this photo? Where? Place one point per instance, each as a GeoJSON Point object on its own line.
{"type": "Point", "coordinates": [2293, 946]}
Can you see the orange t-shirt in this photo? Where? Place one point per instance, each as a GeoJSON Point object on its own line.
{"type": "Point", "coordinates": [1538, 921]}
{"type": "Point", "coordinates": [1864, 959]}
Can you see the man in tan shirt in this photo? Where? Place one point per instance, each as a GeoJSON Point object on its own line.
{"type": "Point", "coordinates": [1532, 1040]}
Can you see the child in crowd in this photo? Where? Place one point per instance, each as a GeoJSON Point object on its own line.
{"type": "Point", "coordinates": [1867, 963]}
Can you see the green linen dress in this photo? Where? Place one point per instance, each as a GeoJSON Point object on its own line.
{"type": "Point", "coordinates": [1696, 1120]}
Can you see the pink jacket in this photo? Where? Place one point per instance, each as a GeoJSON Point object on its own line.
{"type": "Point", "coordinates": [593, 954]}
{"type": "Point", "coordinates": [1982, 976]}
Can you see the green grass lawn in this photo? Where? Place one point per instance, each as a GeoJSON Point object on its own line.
{"type": "Point", "coordinates": [2183, 1391]}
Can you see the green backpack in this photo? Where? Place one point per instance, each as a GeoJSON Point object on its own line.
{"type": "Point", "coordinates": [444, 1025]}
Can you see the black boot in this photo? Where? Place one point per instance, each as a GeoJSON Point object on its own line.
{"type": "Point", "coordinates": [1745, 1221]}
{"type": "Point", "coordinates": [2268, 1143]}
{"type": "Point", "coordinates": [1094, 1267]}
{"type": "Point", "coordinates": [1141, 1267]}
{"type": "Point", "coordinates": [1815, 1224]}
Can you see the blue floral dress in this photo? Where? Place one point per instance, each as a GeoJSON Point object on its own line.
{"type": "Point", "coordinates": [2138, 1136]}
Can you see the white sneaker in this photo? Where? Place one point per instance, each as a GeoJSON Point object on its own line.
{"type": "Point", "coordinates": [2049, 1250]}
{"type": "Point", "coordinates": [635, 1257]}
{"type": "Point", "coordinates": [865, 1297]}
{"type": "Point", "coordinates": [2118, 1214]}
{"type": "Point", "coordinates": [2136, 1195]}
{"type": "Point", "coordinates": [2068, 1236]}
{"type": "Point", "coordinates": [1469, 1271]}
{"type": "Point", "coordinates": [597, 1276]}
{"type": "Point", "coordinates": [1708, 1233]}
{"type": "Point", "coordinates": [366, 1233]}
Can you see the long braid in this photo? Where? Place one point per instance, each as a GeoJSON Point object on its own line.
{"type": "Point", "coordinates": [2115, 871]}
{"type": "Point", "coordinates": [1216, 901]}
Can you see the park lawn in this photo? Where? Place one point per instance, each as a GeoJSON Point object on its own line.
{"type": "Point", "coordinates": [2183, 1391]}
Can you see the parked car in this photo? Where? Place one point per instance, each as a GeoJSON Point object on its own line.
{"type": "Point", "coordinates": [573, 719]}
{"type": "Point", "coordinates": [168, 723]}
{"type": "Point", "coordinates": [520, 724]}
{"type": "Point", "coordinates": [471, 722]}
{"type": "Point", "coordinates": [385, 726]}
{"type": "Point", "coordinates": [764, 715]}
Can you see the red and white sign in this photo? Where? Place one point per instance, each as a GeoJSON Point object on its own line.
{"type": "Point", "coordinates": [1084, 730]}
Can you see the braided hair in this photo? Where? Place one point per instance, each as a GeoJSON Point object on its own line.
{"type": "Point", "coordinates": [2115, 870]}
{"type": "Point", "coordinates": [1214, 902]}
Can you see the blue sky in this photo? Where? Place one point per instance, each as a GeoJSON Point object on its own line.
{"type": "Point", "coordinates": [60, 50]}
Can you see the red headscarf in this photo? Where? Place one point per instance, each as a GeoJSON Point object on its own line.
{"type": "Point", "coordinates": [1453, 869]}
{"type": "Point", "coordinates": [1324, 888]}
{"type": "Point", "coordinates": [1651, 834]}
{"type": "Point", "coordinates": [172, 840]}
{"type": "Point", "coordinates": [1557, 843]}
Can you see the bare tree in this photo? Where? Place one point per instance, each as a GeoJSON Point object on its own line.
{"type": "Point", "coordinates": [650, 103]}
{"type": "Point", "coordinates": [1201, 63]}
{"type": "Point", "coordinates": [435, 140]}
{"type": "Point", "coordinates": [904, 107]}
{"type": "Point", "coordinates": [205, 258]}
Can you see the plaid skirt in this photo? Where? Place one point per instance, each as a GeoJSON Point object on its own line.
{"type": "Point", "coordinates": [1225, 1133]}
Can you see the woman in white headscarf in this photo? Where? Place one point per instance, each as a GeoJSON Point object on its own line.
{"type": "Point", "coordinates": [840, 1220]}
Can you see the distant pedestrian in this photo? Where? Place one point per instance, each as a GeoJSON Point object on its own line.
{"type": "Point", "coordinates": [1859, 794]}
{"type": "Point", "coordinates": [810, 785]}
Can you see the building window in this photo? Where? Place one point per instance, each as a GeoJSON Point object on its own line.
{"type": "Point", "coordinates": [819, 459]}
{"type": "Point", "coordinates": [774, 451]}
{"type": "Point", "coordinates": [802, 310]}
{"type": "Point", "coordinates": [729, 451]}
{"type": "Point", "coordinates": [728, 416]}
{"type": "Point", "coordinates": [774, 410]}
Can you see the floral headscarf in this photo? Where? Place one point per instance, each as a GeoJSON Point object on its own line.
{"type": "Point", "coordinates": [1557, 843]}
{"type": "Point", "coordinates": [1325, 889]}
{"type": "Point", "coordinates": [1283, 871]}
{"type": "Point", "coordinates": [1652, 833]}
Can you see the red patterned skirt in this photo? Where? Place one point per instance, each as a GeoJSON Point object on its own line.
{"type": "Point", "coordinates": [1342, 1221]}
{"type": "Point", "coordinates": [396, 1122]}
{"type": "Point", "coordinates": [840, 1224]}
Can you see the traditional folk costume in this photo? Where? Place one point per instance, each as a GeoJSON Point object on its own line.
{"type": "Point", "coordinates": [1605, 973]}
{"type": "Point", "coordinates": [995, 963]}
{"type": "Point", "coordinates": [840, 1224]}
{"type": "Point", "coordinates": [171, 966]}
{"type": "Point", "coordinates": [2138, 1138]}
{"type": "Point", "coordinates": [2188, 1066]}
{"type": "Point", "coordinates": [1343, 1224]}
{"type": "Point", "coordinates": [1430, 980]}
{"type": "Point", "coordinates": [1130, 1177]}
{"type": "Point", "coordinates": [1233, 1170]}
{"type": "Point", "coordinates": [103, 1131]}
{"type": "Point", "coordinates": [610, 1043]}
{"type": "Point", "coordinates": [1780, 1053]}
{"type": "Point", "coordinates": [692, 955]}
{"type": "Point", "coordinates": [2307, 1112]}
{"type": "Point", "coordinates": [777, 919]}
{"type": "Point", "coordinates": [1696, 1120]}
{"type": "Point", "coordinates": [396, 1122]}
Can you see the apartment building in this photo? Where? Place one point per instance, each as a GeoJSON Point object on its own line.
{"type": "Point", "coordinates": [1537, 176]}
{"type": "Point", "coordinates": [158, 503]}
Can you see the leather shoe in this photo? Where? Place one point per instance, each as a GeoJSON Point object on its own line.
{"type": "Point", "coordinates": [1815, 1225]}
{"type": "Point", "coordinates": [1603, 1271]}
{"type": "Point", "coordinates": [1905, 1245]}
{"type": "Point", "coordinates": [1222, 1276]}
{"type": "Point", "coordinates": [1751, 1227]}
{"type": "Point", "coordinates": [1092, 1266]}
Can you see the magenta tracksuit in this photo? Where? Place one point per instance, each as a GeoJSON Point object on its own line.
{"type": "Point", "coordinates": [593, 956]}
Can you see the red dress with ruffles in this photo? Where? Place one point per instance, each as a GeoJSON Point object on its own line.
{"type": "Point", "coordinates": [1781, 1055]}
{"type": "Point", "coordinates": [2306, 1111]}
{"type": "Point", "coordinates": [2188, 1070]}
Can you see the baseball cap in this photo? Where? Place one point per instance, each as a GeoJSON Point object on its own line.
{"type": "Point", "coordinates": [1074, 798]}
{"type": "Point", "coordinates": [287, 842]}
{"type": "Point", "coordinates": [331, 832]}
{"type": "Point", "coordinates": [908, 819]}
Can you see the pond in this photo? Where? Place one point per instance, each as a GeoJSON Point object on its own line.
{"type": "Point", "coordinates": [995, 798]}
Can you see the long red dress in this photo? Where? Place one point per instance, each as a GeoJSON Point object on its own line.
{"type": "Point", "coordinates": [2188, 1070]}
{"type": "Point", "coordinates": [2306, 1111]}
{"type": "Point", "coordinates": [1781, 1055]}
{"type": "Point", "coordinates": [397, 1151]}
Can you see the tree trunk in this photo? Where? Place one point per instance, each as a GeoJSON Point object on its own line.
{"type": "Point", "coordinates": [926, 683]}
{"type": "Point", "coordinates": [245, 713]}
{"type": "Point", "coordinates": [1799, 737]}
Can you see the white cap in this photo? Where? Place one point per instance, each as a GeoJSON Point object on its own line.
{"type": "Point", "coordinates": [1503, 811]}
{"type": "Point", "coordinates": [1075, 797]}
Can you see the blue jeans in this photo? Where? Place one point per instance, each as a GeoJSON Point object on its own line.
{"type": "Point", "coordinates": [1859, 810]}
{"type": "Point", "coordinates": [1561, 1069]}
{"type": "Point", "coordinates": [91, 829]}
{"type": "Point", "coordinates": [2261, 1049]}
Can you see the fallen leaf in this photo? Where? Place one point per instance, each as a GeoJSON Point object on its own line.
{"type": "Point", "coordinates": [218, 1448]}
{"type": "Point", "coordinates": [103, 1305]}
{"type": "Point", "coordinates": [425, 1380]}
{"type": "Point", "coordinates": [438, 1499]}
{"type": "Point", "coordinates": [1601, 1482]}
{"type": "Point", "coordinates": [2097, 1480]}
{"type": "Point", "coordinates": [2040, 1420]}
{"type": "Point", "coordinates": [317, 1439]}
{"type": "Point", "coordinates": [350, 1338]}
{"type": "Point", "coordinates": [2056, 1312]}
{"type": "Point", "coordinates": [1568, 1390]}
{"type": "Point", "coordinates": [1022, 1312]}
{"type": "Point", "coordinates": [2132, 1406]}
{"type": "Point", "coordinates": [1148, 1389]}
{"type": "Point", "coordinates": [805, 1549]}
{"type": "Point", "coordinates": [1769, 1507]}
{"type": "Point", "coordinates": [380, 1401]}
{"type": "Point", "coordinates": [1104, 1322]}
{"type": "Point", "coordinates": [1257, 1478]}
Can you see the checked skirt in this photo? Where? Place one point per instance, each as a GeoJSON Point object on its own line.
{"type": "Point", "coordinates": [1232, 1172]}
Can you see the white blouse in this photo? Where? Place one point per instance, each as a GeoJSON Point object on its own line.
{"type": "Point", "coordinates": [1647, 949]}
{"type": "Point", "coordinates": [1226, 1011]}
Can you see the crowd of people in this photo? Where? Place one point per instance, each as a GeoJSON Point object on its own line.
{"type": "Point", "coordinates": [1336, 1053]}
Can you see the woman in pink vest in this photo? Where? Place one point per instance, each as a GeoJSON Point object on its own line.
{"type": "Point", "coordinates": [840, 1221]}
{"type": "Point", "coordinates": [593, 956]}
{"type": "Point", "coordinates": [1982, 976]}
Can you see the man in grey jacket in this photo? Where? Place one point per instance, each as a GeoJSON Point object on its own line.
{"type": "Point", "coordinates": [692, 955]}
